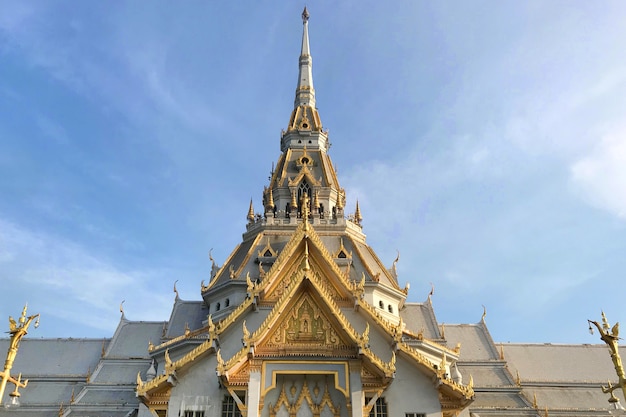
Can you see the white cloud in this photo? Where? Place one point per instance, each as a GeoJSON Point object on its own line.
{"type": "Point", "coordinates": [600, 176]}
{"type": "Point", "coordinates": [62, 279]}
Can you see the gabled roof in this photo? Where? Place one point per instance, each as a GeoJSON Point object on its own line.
{"type": "Point", "coordinates": [305, 276]}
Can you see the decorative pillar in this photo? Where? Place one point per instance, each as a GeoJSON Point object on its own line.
{"type": "Point", "coordinates": [254, 391]}
{"type": "Point", "coordinates": [355, 402]}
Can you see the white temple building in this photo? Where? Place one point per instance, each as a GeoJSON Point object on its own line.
{"type": "Point", "coordinates": [303, 319]}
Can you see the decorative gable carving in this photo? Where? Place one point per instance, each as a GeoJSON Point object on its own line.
{"type": "Point", "coordinates": [342, 253]}
{"type": "Point", "coordinates": [305, 327]}
{"type": "Point", "coordinates": [267, 251]}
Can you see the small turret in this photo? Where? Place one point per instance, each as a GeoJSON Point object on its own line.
{"type": "Point", "coordinates": [357, 214]}
{"type": "Point", "coordinates": [250, 216]}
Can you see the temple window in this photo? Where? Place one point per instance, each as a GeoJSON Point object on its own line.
{"type": "Point", "coordinates": [229, 407]}
{"type": "Point", "coordinates": [193, 413]}
{"type": "Point", "coordinates": [390, 308]}
{"type": "Point", "coordinates": [218, 307]}
{"type": "Point", "coordinates": [303, 189]}
{"type": "Point", "coordinates": [381, 304]}
{"type": "Point", "coordinates": [227, 303]}
{"type": "Point", "coordinates": [379, 409]}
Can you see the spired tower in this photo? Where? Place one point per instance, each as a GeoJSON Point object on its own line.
{"type": "Point", "coordinates": [302, 319]}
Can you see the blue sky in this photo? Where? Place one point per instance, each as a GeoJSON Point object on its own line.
{"type": "Point", "coordinates": [485, 140]}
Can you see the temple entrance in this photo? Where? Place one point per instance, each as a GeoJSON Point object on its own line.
{"type": "Point", "coordinates": [305, 396]}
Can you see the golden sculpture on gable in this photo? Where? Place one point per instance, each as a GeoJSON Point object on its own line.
{"type": "Point", "coordinates": [305, 324]}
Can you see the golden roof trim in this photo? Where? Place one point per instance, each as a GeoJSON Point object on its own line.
{"type": "Point", "coordinates": [221, 269]}
{"type": "Point", "coordinates": [360, 341]}
{"type": "Point", "coordinates": [171, 367]}
{"type": "Point", "coordinates": [382, 267]}
{"type": "Point", "coordinates": [465, 392]}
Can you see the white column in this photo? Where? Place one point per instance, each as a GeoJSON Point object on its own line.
{"type": "Point", "coordinates": [356, 391]}
{"type": "Point", "coordinates": [254, 394]}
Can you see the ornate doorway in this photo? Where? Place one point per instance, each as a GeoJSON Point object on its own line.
{"type": "Point", "coordinates": [306, 396]}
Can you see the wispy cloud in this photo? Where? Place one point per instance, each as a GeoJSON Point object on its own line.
{"type": "Point", "coordinates": [600, 176]}
{"type": "Point", "coordinates": [65, 280]}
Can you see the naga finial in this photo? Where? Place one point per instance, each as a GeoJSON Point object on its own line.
{"type": "Point", "coordinates": [307, 266]}
{"type": "Point", "coordinates": [246, 333]}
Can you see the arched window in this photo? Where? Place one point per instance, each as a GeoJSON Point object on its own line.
{"type": "Point", "coordinates": [381, 304]}
{"type": "Point", "coordinates": [303, 189]}
{"type": "Point", "coordinates": [390, 308]}
{"type": "Point", "coordinates": [217, 307]}
{"type": "Point", "coordinates": [227, 303]}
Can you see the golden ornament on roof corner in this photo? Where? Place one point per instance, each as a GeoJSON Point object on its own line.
{"type": "Point", "coordinates": [610, 336]}
{"type": "Point", "coordinates": [17, 330]}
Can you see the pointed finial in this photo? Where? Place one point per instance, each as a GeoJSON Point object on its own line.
{"type": "Point", "coordinates": [249, 284]}
{"type": "Point", "coordinates": [444, 363]}
{"type": "Point", "coordinates": [294, 200]}
{"type": "Point", "coordinates": [394, 266]}
{"type": "Point", "coordinates": [23, 316]}
{"type": "Point", "coordinates": [307, 266]}
{"type": "Point", "coordinates": [340, 198]}
{"type": "Point", "coordinates": [357, 214]}
{"type": "Point", "coordinates": [246, 333]}
{"type": "Point", "coordinates": [250, 216]}
{"type": "Point", "coordinates": [270, 201]}
{"type": "Point", "coordinates": [305, 207]}
{"type": "Point", "coordinates": [365, 337]}
{"type": "Point", "coordinates": [431, 293]}
{"type": "Point", "coordinates": [211, 257]}
{"type": "Point", "coordinates": [210, 324]}
{"type": "Point", "coordinates": [220, 361]}
{"type": "Point", "coordinates": [305, 15]}
{"type": "Point", "coordinates": [605, 322]}
{"type": "Point", "coordinates": [168, 360]}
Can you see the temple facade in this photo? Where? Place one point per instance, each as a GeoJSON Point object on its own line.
{"type": "Point", "coordinates": [303, 319]}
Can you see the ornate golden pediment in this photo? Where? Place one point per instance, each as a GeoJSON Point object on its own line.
{"type": "Point", "coordinates": [304, 325]}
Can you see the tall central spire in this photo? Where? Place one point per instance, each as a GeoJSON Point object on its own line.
{"type": "Point", "coordinates": [305, 120]}
{"type": "Point", "coordinates": [305, 94]}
